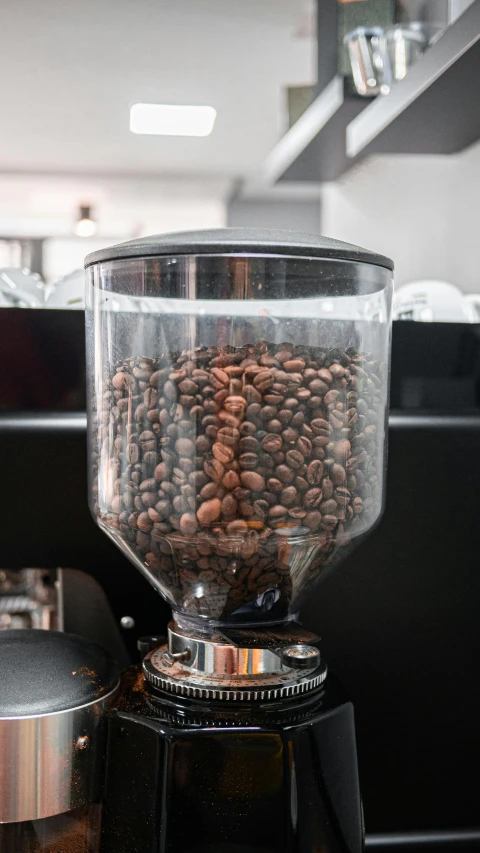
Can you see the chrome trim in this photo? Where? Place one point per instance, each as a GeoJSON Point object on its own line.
{"type": "Point", "coordinates": [457, 839]}
{"type": "Point", "coordinates": [179, 681]}
{"type": "Point", "coordinates": [51, 763]}
{"type": "Point", "coordinates": [77, 421]}
{"type": "Point", "coordinates": [210, 657]}
{"type": "Point", "coordinates": [217, 669]}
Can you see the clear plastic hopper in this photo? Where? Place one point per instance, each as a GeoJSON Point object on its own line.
{"type": "Point", "coordinates": [237, 413]}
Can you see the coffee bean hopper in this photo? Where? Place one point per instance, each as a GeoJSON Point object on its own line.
{"type": "Point", "coordinates": [238, 402]}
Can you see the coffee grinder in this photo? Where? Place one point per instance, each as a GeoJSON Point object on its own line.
{"type": "Point", "coordinates": [237, 432]}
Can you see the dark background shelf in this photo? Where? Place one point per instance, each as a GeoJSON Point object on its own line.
{"type": "Point", "coordinates": [399, 620]}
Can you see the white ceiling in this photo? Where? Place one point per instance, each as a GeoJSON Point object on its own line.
{"type": "Point", "coordinates": [70, 71]}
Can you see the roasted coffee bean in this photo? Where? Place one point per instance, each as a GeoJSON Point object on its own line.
{"type": "Point", "coordinates": [297, 512]}
{"type": "Point", "coordinates": [132, 454]}
{"type": "Point", "coordinates": [277, 511]}
{"type": "Point", "coordinates": [294, 366]}
{"type": "Point", "coordinates": [248, 460]}
{"type": "Point", "coordinates": [249, 444]}
{"type": "Point", "coordinates": [223, 452]}
{"type": "Point", "coordinates": [209, 511]}
{"type": "Point", "coordinates": [289, 435]}
{"type": "Point", "coordinates": [284, 473]}
{"type": "Point", "coordinates": [275, 485]}
{"type": "Point", "coordinates": [231, 480]}
{"type": "Point", "coordinates": [228, 435]}
{"type": "Point", "coordinates": [123, 381]}
{"type": "Point", "coordinates": [214, 469]}
{"type": "Point", "coordinates": [266, 413]}
{"type": "Point", "coordinates": [341, 449]}
{"type": "Point", "coordinates": [338, 474]}
{"type": "Point", "coordinates": [312, 498]}
{"type": "Point", "coordinates": [229, 504]}
{"type": "Point", "coordinates": [320, 426]}
{"type": "Point", "coordinates": [304, 446]}
{"type": "Point", "coordinates": [315, 472]}
{"type": "Point", "coordinates": [285, 416]}
{"type": "Point", "coordinates": [184, 447]}
{"type": "Point", "coordinates": [294, 458]}
{"type": "Point", "coordinates": [272, 442]}
{"type": "Point", "coordinates": [263, 380]}
{"type": "Point", "coordinates": [261, 508]}
{"type": "Point", "coordinates": [312, 520]}
{"type": "Point", "coordinates": [288, 496]}
{"type": "Point", "coordinates": [252, 480]}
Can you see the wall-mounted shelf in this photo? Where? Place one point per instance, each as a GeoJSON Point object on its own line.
{"type": "Point", "coordinates": [313, 149]}
{"type": "Point", "coordinates": [436, 108]}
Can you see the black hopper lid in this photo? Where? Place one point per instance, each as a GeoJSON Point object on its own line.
{"type": "Point", "coordinates": [239, 240]}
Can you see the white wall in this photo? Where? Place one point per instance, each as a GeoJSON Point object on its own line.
{"type": "Point", "coordinates": [47, 205]}
{"type": "Point", "coordinates": [423, 211]}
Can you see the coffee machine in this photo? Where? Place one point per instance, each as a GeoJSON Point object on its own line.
{"type": "Point", "coordinates": [238, 395]}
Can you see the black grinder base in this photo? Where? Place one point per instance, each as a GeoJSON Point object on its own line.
{"type": "Point", "coordinates": [188, 775]}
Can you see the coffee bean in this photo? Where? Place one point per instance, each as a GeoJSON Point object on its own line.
{"type": "Point", "coordinates": [249, 444]}
{"type": "Point", "coordinates": [294, 366]}
{"type": "Point", "coordinates": [263, 380]}
{"type": "Point", "coordinates": [304, 446]}
{"type": "Point", "coordinates": [123, 381]}
{"type": "Point", "coordinates": [209, 511]}
{"type": "Point", "coordinates": [320, 426]}
{"type": "Point", "coordinates": [284, 473]}
{"type": "Point", "coordinates": [144, 522]}
{"type": "Point", "coordinates": [188, 523]}
{"type": "Point", "coordinates": [266, 413]}
{"type": "Point", "coordinates": [185, 447]}
{"type": "Point", "coordinates": [261, 508]}
{"type": "Point", "coordinates": [132, 454]}
{"type": "Point", "coordinates": [228, 435]}
{"type": "Point", "coordinates": [248, 460]}
{"type": "Point", "coordinates": [297, 512]}
{"type": "Point", "coordinates": [277, 511]}
{"type": "Point", "coordinates": [231, 480]}
{"type": "Point", "coordinates": [223, 452]}
{"type": "Point", "coordinates": [312, 520]}
{"type": "Point", "coordinates": [341, 449]}
{"type": "Point", "coordinates": [294, 458]}
{"type": "Point", "coordinates": [338, 474]}
{"type": "Point", "coordinates": [214, 469]}
{"type": "Point", "coordinates": [312, 498]}
{"type": "Point", "coordinates": [252, 480]}
{"type": "Point", "coordinates": [288, 496]}
{"type": "Point", "coordinates": [237, 527]}
{"type": "Point", "coordinates": [229, 504]}
{"type": "Point", "coordinates": [315, 472]}
{"type": "Point", "coordinates": [272, 442]}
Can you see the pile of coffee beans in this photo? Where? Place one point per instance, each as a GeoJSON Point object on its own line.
{"type": "Point", "coordinates": [235, 475]}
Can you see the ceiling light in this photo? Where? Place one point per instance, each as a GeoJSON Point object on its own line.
{"type": "Point", "coordinates": [172, 119]}
{"type": "Point", "coordinates": [85, 225]}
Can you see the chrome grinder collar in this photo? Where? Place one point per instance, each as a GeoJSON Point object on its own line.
{"type": "Point", "coordinates": [218, 669]}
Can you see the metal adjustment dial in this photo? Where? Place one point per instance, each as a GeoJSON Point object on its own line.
{"type": "Point", "coordinates": [300, 657]}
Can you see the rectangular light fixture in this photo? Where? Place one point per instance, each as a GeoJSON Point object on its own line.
{"type": "Point", "coordinates": [172, 119]}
